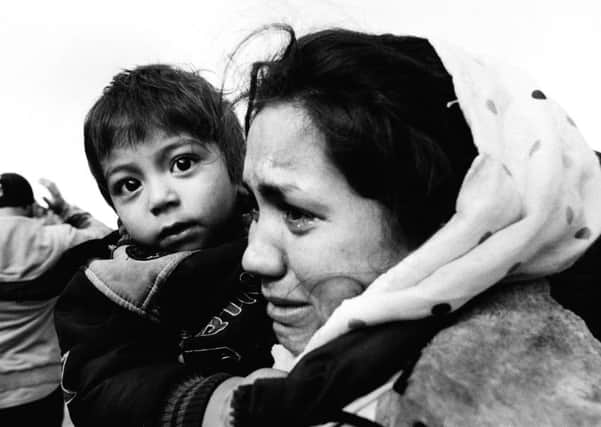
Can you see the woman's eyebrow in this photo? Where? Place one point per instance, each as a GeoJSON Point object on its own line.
{"type": "Point", "coordinates": [276, 193]}
{"type": "Point", "coordinates": [279, 194]}
{"type": "Point", "coordinates": [278, 188]}
{"type": "Point", "coordinates": [272, 187]}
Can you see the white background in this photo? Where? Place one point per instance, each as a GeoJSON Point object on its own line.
{"type": "Point", "coordinates": [58, 55]}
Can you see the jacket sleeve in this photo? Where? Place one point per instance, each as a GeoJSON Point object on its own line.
{"type": "Point", "coordinates": [330, 377]}
{"type": "Point", "coordinates": [122, 370]}
{"type": "Point", "coordinates": [77, 227]}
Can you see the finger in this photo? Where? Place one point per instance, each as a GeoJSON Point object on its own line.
{"type": "Point", "coordinates": [45, 182]}
{"type": "Point", "coordinates": [50, 186]}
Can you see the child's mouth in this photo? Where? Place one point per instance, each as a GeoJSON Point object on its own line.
{"type": "Point", "coordinates": [180, 234]}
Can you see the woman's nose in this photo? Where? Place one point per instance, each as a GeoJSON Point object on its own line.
{"type": "Point", "coordinates": [161, 197]}
{"type": "Point", "coordinates": [262, 256]}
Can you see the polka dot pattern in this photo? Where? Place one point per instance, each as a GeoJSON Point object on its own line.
{"type": "Point", "coordinates": [569, 215]}
{"type": "Point", "coordinates": [356, 324]}
{"type": "Point", "coordinates": [535, 147]}
{"type": "Point", "coordinates": [441, 309]}
{"type": "Point", "coordinates": [584, 233]}
{"type": "Point", "coordinates": [543, 184]}
{"type": "Point", "coordinates": [538, 94]}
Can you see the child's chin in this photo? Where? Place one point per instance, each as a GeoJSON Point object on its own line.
{"type": "Point", "coordinates": [189, 239]}
{"type": "Point", "coordinates": [185, 246]}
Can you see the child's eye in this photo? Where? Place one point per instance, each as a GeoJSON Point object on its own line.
{"type": "Point", "coordinates": [182, 164]}
{"type": "Point", "coordinates": [126, 186]}
{"type": "Point", "coordinates": [298, 220]}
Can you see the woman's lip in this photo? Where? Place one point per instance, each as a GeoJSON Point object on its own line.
{"type": "Point", "coordinates": [289, 313]}
{"type": "Point", "coordinates": [284, 302]}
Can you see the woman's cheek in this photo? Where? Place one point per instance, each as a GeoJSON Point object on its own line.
{"type": "Point", "coordinates": [328, 294]}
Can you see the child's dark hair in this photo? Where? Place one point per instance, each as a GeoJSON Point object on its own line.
{"type": "Point", "coordinates": [160, 97]}
{"type": "Point", "coordinates": [381, 101]}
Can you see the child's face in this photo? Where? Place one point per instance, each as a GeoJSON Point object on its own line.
{"type": "Point", "coordinates": [172, 192]}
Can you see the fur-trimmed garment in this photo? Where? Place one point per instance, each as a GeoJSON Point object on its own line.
{"type": "Point", "coordinates": [514, 357]}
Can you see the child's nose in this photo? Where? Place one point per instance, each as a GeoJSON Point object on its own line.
{"type": "Point", "coordinates": [161, 197]}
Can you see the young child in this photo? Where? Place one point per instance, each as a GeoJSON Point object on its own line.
{"type": "Point", "coordinates": [36, 261]}
{"type": "Point", "coordinates": [149, 331]}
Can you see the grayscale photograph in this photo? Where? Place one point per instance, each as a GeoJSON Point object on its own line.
{"type": "Point", "coordinates": [293, 213]}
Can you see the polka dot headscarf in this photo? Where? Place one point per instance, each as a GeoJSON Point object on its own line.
{"type": "Point", "coordinates": [529, 206]}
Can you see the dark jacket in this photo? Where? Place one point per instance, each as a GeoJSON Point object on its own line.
{"type": "Point", "coordinates": [146, 338]}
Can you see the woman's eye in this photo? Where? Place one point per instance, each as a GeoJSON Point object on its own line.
{"type": "Point", "coordinates": [299, 221]}
{"type": "Point", "coordinates": [182, 164]}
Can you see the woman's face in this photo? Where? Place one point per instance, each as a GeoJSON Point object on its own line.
{"type": "Point", "coordinates": [314, 240]}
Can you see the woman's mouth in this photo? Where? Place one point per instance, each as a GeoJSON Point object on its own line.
{"type": "Point", "coordinates": [287, 312]}
{"type": "Point", "coordinates": [294, 322]}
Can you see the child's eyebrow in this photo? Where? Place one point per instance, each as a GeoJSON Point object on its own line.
{"type": "Point", "coordinates": [180, 142]}
{"type": "Point", "coordinates": [172, 145]}
{"type": "Point", "coordinates": [124, 167]}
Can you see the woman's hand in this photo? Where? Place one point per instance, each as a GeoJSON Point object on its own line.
{"type": "Point", "coordinates": [218, 411]}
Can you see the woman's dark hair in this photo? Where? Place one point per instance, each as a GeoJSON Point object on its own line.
{"type": "Point", "coordinates": [382, 103]}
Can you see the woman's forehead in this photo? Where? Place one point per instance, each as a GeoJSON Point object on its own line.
{"type": "Point", "coordinates": [282, 140]}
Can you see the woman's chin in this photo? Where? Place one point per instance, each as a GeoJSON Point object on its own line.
{"type": "Point", "coordinates": [291, 338]}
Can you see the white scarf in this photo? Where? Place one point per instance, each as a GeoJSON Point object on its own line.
{"type": "Point", "coordinates": [529, 206]}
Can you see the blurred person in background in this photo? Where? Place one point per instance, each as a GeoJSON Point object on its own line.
{"type": "Point", "coordinates": [40, 249]}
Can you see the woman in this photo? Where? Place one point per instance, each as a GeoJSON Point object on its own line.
{"type": "Point", "coordinates": [359, 153]}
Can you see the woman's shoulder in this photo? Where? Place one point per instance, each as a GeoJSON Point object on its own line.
{"type": "Point", "coordinates": [514, 357]}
